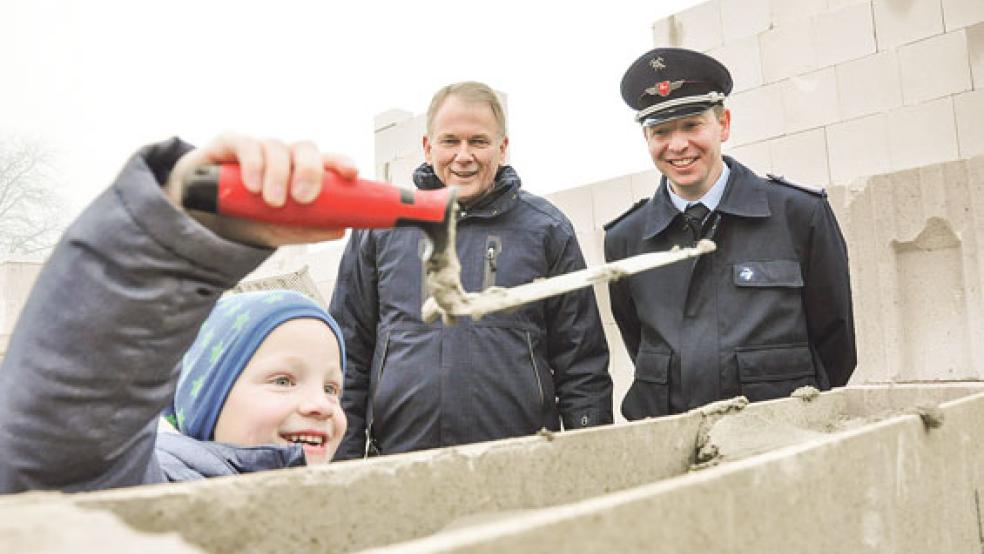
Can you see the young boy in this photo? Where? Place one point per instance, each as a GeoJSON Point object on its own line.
{"type": "Point", "coordinates": [96, 353]}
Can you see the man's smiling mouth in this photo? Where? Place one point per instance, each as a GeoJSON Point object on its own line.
{"type": "Point", "coordinates": [682, 162]}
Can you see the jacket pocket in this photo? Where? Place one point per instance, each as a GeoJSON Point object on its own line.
{"type": "Point", "coordinates": [774, 371]}
{"type": "Point", "coordinates": [649, 394]}
{"type": "Point", "coordinates": [493, 247]}
{"type": "Point", "coordinates": [773, 273]}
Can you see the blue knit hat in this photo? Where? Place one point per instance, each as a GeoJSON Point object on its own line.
{"type": "Point", "coordinates": [225, 344]}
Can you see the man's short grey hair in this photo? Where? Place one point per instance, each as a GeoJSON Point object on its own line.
{"type": "Point", "coordinates": [469, 91]}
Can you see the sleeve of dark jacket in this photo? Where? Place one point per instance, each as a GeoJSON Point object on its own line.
{"type": "Point", "coordinates": [355, 306]}
{"type": "Point", "coordinates": [93, 359]}
{"type": "Point", "coordinates": [827, 295]}
{"type": "Point", "coordinates": [577, 348]}
{"type": "Point", "coordinates": [623, 307]}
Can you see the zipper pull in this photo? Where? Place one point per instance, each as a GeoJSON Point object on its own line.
{"type": "Point", "coordinates": [490, 254]}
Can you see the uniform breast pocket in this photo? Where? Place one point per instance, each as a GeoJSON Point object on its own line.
{"type": "Point", "coordinates": [649, 394]}
{"type": "Point", "coordinates": [772, 273]}
{"type": "Point", "coordinates": [774, 371]}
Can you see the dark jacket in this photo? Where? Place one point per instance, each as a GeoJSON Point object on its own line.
{"type": "Point", "coordinates": [95, 354]}
{"type": "Point", "coordinates": [768, 312]}
{"type": "Point", "coordinates": [426, 385]}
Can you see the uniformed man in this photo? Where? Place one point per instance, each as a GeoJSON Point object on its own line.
{"type": "Point", "coordinates": [770, 310]}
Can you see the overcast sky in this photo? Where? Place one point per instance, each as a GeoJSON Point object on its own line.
{"type": "Point", "coordinates": [97, 79]}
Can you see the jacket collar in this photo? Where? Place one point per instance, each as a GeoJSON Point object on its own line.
{"type": "Point", "coordinates": [500, 198]}
{"type": "Point", "coordinates": [744, 196]}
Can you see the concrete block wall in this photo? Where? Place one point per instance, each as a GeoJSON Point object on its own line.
{"type": "Point", "coordinates": [834, 66]}
{"type": "Point", "coordinates": [778, 477]}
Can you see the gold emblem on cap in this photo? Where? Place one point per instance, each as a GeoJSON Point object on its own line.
{"type": "Point", "coordinates": [657, 63]}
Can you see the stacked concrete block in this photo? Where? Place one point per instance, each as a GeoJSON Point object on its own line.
{"type": "Point", "coordinates": [827, 64]}
{"type": "Point", "coordinates": [399, 146]}
{"type": "Point", "coordinates": [776, 476]}
{"type": "Point", "coordinates": [916, 245]}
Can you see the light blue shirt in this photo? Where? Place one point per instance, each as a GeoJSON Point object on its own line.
{"type": "Point", "coordinates": [711, 198]}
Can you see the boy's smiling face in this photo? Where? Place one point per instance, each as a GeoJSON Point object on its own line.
{"type": "Point", "coordinates": [289, 393]}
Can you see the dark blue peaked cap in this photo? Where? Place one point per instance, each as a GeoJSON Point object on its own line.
{"type": "Point", "coordinates": [670, 83]}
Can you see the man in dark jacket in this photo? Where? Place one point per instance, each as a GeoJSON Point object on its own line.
{"type": "Point", "coordinates": [766, 313]}
{"type": "Point", "coordinates": [412, 385]}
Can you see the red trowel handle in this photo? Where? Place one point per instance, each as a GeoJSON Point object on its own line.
{"type": "Point", "coordinates": [343, 203]}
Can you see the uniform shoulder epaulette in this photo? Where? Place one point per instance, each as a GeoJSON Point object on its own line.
{"type": "Point", "coordinates": [625, 214]}
{"type": "Point", "coordinates": [816, 191]}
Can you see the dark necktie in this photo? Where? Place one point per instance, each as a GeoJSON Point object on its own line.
{"type": "Point", "coordinates": [695, 214]}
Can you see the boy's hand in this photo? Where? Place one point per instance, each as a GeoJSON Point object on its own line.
{"type": "Point", "coordinates": [272, 170]}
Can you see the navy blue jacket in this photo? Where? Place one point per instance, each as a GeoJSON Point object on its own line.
{"type": "Point", "coordinates": [426, 385]}
{"type": "Point", "coordinates": [95, 354]}
{"type": "Point", "coordinates": [767, 312]}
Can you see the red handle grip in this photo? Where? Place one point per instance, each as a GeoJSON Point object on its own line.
{"type": "Point", "coordinates": [343, 203]}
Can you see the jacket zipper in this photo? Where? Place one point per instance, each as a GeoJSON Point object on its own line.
{"type": "Point", "coordinates": [382, 366]}
{"type": "Point", "coordinates": [536, 372]}
{"type": "Point", "coordinates": [493, 247]}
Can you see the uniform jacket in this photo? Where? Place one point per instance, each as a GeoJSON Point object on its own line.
{"type": "Point", "coordinates": [95, 354]}
{"type": "Point", "coordinates": [767, 312]}
{"type": "Point", "coordinates": [426, 385]}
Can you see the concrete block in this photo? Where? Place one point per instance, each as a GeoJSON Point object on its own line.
{"type": "Point", "coordinates": [592, 246]}
{"type": "Point", "coordinates": [923, 134]}
{"type": "Point", "coordinates": [390, 499]}
{"type": "Point", "coordinates": [802, 158]}
{"type": "Point", "coordinates": [846, 33]}
{"type": "Point", "coordinates": [577, 204]}
{"type": "Point", "coordinates": [969, 110]}
{"type": "Point", "coordinates": [899, 22]}
{"type": "Point", "coordinates": [975, 50]}
{"type": "Point", "coordinates": [788, 12]}
{"type": "Point", "coordinates": [756, 156]}
{"type": "Point", "coordinates": [611, 198]}
{"type": "Point", "coordinates": [787, 50]}
{"type": "Point", "coordinates": [934, 67]}
{"type": "Point", "coordinates": [697, 28]}
{"type": "Point", "coordinates": [886, 474]}
{"type": "Point", "coordinates": [743, 60]}
{"type": "Point", "coordinates": [962, 13]}
{"type": "Point", "coordinates": [400, 139]}
{"type": "Point", "coordinates": [756, 115]}
{"type": "Point", "coordinates": [389, 118]}
{"type": "Point", "coordinates": [858, 148]}
{"type": "Point", "coordinates": [399, 170]}
{"type": "Point", "coordinates": [869, 85]}
{"type": "Point", "coordinates": [810, 100]}
{"type": "Point", "coordinates": [837, 4]}
{"type": "Point", "coordinates": [644, 184]}
{"type": "Point", "coordinates": [745, 18]}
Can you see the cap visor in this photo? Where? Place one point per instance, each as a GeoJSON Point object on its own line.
{"type": "Point", "coordinates": [677, 112]}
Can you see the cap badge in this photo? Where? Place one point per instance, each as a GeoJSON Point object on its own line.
{"type": "Point", "coordinates": [663, 88]}
{"type": "Point", "coordinates": [657, 63]}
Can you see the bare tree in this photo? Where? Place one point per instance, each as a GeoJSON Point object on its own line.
{"type": "Point", "coordinates": [31, 210]}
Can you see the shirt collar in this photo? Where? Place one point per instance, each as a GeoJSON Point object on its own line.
{"type": "Point", "coordinates": [711, 198]}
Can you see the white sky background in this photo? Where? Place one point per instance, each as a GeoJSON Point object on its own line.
{"type": "Point", "coordinates": [98, 79]}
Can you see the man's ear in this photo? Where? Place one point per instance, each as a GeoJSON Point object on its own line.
{"type": "Point", "coordinates": [725, 121]}
{"type": "Point", "coordinates": [504, 151]}
{"type": "Point", "coordinates": [427, 149]}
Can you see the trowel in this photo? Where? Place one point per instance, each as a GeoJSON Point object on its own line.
{"type": "Point", "coordinates": [366, 204]}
